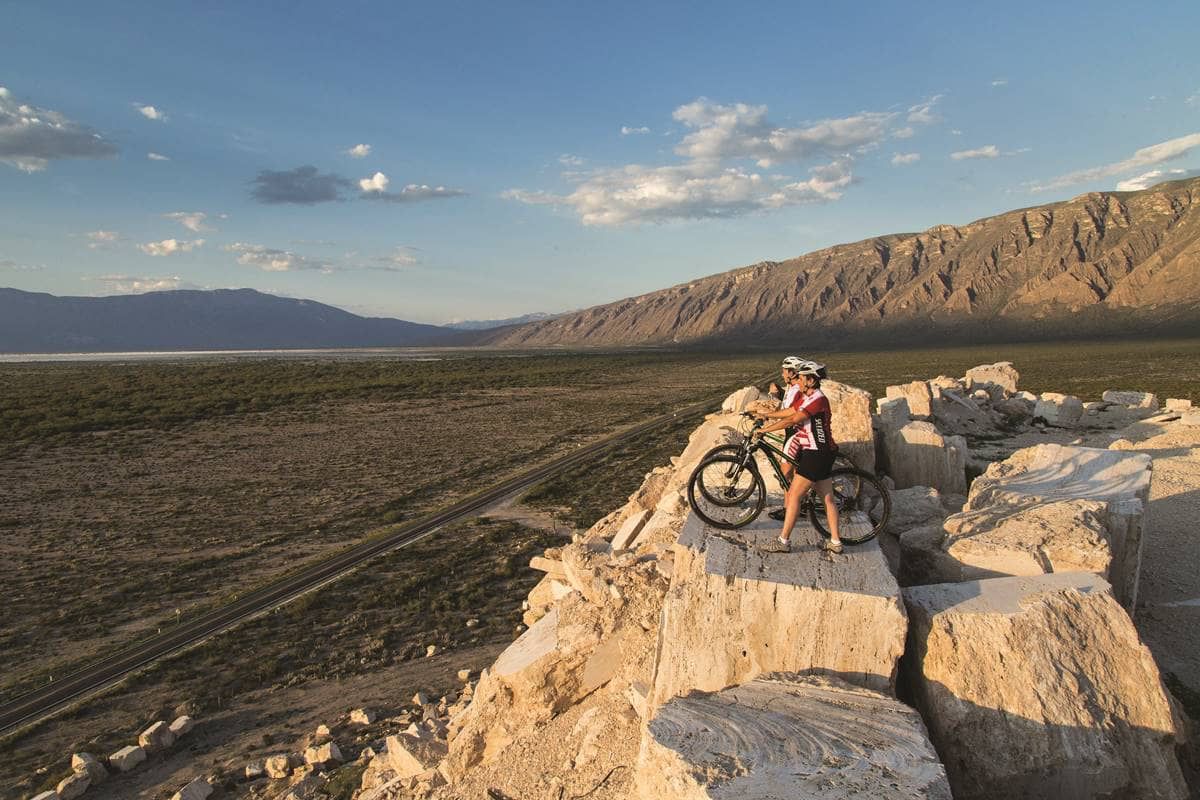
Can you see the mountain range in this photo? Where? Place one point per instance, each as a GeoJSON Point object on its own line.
{"type": "Point", "coordinates": [1101, 264]}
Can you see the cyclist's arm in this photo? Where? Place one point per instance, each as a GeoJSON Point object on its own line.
{"type": "Point", "coordinates": [791, 418]}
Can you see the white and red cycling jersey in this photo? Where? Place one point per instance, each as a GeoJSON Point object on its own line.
{"type": "Point", "coordinates": [816, 432]}
{"type": "Point", "coordinates": [789, 395]}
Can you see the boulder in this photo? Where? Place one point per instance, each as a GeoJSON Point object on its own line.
{"type": "Point", "coordinates": [182, 725]}
{"type": "Point", "coordinates": [255, 770]}
{"type": "Point", "coordinates": [196, 789]}
{"type": "Point", "coordinates": [918, 395]}
{"type": "Point", "coordinates": [917, 454]}
{"type": "Point", "coordinates": [630, 529]}
{"type": "Point", "coordinates": [414, 751]}
{"type": "Point", "coordinates": [943, 383]}
{"type": "Point", "coordinates": [914, 507]}
{"type": "Point", "coordinates": [278, 766]}
{"type": "Point", "coordinates": [322, 754]}
{"type": "Point", "coordinates": [786, 736]}
{"type": "Point", "coordinates": [127, 758]}
{"type": "Point", "coordinates": [1038, 687]}
{"type": "Point", "coordinates": [86, 762]}
{"type": "Point", "coordinates": [1177, 406]}
{"type": "Point", "coordinates": [922, 558]}
{"type": "Point", "coordinates": [1143, 400]}
{"type": "Point", "coordinates": [73, 785]}
{"type": "Point", "coordinates": [742, 399]}
{"type": "Point", "coordinates": [1029, 537]}
{"type": "Point", "coordinates": [733, 612]}
{"type": "Point", "coordinates": [1058, 410]}
{"type": "Point", "coordinates": [157, 737]}
{"type": "Point", "coordinates": [1001, 375]}
{"type": "Point", "coordinates": [362, 716]}
{"type": "Point", "coordinates": [891, 413]}
{"type": "Point", "coordinates": [1050, 472]}
{"type": "Point", "coordinates": [852, 430]}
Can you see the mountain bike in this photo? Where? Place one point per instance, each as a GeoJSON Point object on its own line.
{"type": "Point", "coordinates": [727, 490]}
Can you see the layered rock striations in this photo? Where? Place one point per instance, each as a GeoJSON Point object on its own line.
{"type": "Point", "coordinates": [1097, 264]}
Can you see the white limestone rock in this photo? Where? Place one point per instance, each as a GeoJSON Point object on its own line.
{"type": "Point", "coordinates": [157, 737]}
{"type": "Point", "coordinates": [786, 736]}
{"type": "Point", "coordinates": [182, 726]}
{"type": "Point", "coordinates": [891, 413]}
{"type": "Point", "coordinates": [323, 754]}
{"type": "Point", "coordinates": [918, 395]}
{"type": "Point", "coordinates": [1038, 687]}
{"type": "Point", "coordinates": [852, 429]}
{"type": "Point", "coordinates": [1141, 400]}
{"type": "Point", "coordinates": [1029, 537]}
{"type": "Point", "coordinates": [1049, 472]}
{"type": "Point", "coordinates": [917, 454]}
{"type": "Point", "coordinates": [47, 795]}
{"type": "Point", "coordinates": [630, 529]}
{"type": "Point", "coordinates": [363, 716]}
{"type": "Point", "coordinates": [86, 762]}
{"type": "Point", "coordinates": [1177, 406]}
{"type": "Point", "coordinates": [1001, 375]}
{"type": "Point", "coordinates": [1058, 410]}
{"type": "Point", "coordinates": [73, 785]}
{"type": "Point", "coordinates": [741, 400]}
{"type": "Point", "coordinates": [196, 789]}
{"type": "Point", "coordinates": [413, 752]}
{"type": "Point", "coordinates": [914, 507]}
{"type": "Point", "coordinates": [733, 613]}
{"type": "Point", "coordinates": [278, 766]}
{"type": "Point", "coordinates": [127, 758]}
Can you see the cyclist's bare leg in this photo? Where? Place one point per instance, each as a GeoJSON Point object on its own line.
{"type": "Point", "coordinates": [825, 489]}
{"type": "Point", "coordinates": [795, 492]}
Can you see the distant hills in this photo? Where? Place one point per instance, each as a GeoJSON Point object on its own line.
{"type": "Point", "coordinates": [224, 319]}
{"type": "Point", "coordinates": [1102, 264]}
{"type": "Point", "coordinates": [489, 324]}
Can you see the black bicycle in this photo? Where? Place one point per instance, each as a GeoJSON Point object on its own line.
{"type": "Point", "coordinates": [727, 490]}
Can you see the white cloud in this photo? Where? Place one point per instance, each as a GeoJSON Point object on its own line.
{"type": "Point", "coordinates": [170, 247]}
{"type": "Point", "coordinates": [130, 284]}
{"type": "Point", "coordinates": [1148, 179]}
{"type": "Point", "coordinates": [398, 260]}
{"type": "Point", "coordinates": [101, 239]}
{"type": "Point", "coordinates": [1193, 100]}
{"type": "Point", "coordinates": [743, 131]}
{"type": "Point", "coordinates": [629, 131]}
{"type": "Point", "coordinates": [8, 265]}
{"type": "Point", "coordinates": [150, 112]}
{"type": "Point", "coordinates": [1144, 157]}
{"type": "Point", "coordinates": [271, 260]}
{"type": "Point", "coordinates": [906, 132]}
{"type": "Point", "coordinates": [1000, 82]}
{"type": "Point", "coordinates": [157, 157]}
{"type": "Point", "coordinates": [568, 160]}
{"type": "Point", "coordinates": [32, 137]}
{"type": "Point", "coordinates": [955, 132]}
{"type": "Point", "coordinates": [192, 220]}
{"type": "Point", "coordinates": [905, 158]}
{"type": "Point", "coordinates": [376, 183]}
{"type": "Point", "coordinates": [359, 151]}
{"type": "Point", "coordinates": [987, 151]}
{"type": "Point", "coordinates": [636, 194]}
{"type": "Point", "coordinates": [922, 113]}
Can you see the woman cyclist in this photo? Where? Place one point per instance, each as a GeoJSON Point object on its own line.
{"type": "Point", "coordinates": [813, 450]}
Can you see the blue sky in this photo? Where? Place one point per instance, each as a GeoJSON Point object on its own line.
{"type": "Point", "coordinates": [525, 157]}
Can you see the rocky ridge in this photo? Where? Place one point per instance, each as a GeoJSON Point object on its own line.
{"type": "Point", "coordinates": [1098, 264]}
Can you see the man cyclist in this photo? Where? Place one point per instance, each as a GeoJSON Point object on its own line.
{"type": "Point", "coordinates": [813, 450]}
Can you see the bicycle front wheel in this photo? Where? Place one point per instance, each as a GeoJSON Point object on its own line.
{"type": "Point", "coordinates": [862, 514]}
{"type": "Point", "coordinates": [738, 488]}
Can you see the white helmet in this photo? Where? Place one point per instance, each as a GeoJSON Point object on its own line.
{"type": "Point", "coordinates": [794, 363]}
{"type": "Point", "coordinates": [812, 368]}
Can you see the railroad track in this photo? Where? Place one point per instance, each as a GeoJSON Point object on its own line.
{"type": "Point", "coordinates": [104, 673]}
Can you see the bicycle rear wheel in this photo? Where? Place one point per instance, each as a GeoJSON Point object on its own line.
{"type": "Point", "coordinates": [861, 514]}
{"type": "Point", "coordinates": [740, 488]}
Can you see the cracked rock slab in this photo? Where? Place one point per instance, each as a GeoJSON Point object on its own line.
{"type": "Point", "coordinates": [786, 736]}
{"type": "Point", "coordinates": [1039, 688]}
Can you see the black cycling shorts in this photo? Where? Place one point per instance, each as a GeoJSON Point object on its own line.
{"type": "Point", "coordinates": [816, 465]}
